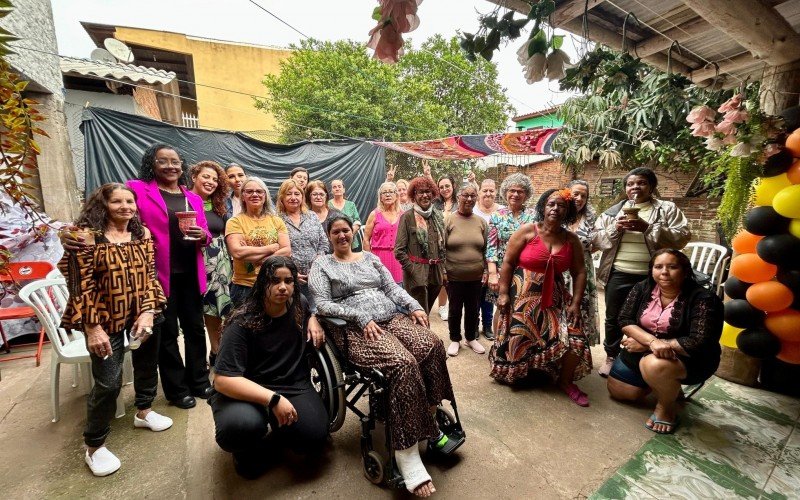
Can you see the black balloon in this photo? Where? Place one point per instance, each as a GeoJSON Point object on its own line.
{"type": "Point", "coordinates": [790, 278]}
{"type": "Point", "coordinates": [736, 288]}
{"type": "Point", "coordinates": [741, 314]}
{"type": "Point", "coordinates": [780, 249]}
{"type": "Point", "coordinates": [778, 163]}
{"type": "Point", "coordinates": [764, 221]}
{"type": "Point", "coordinates": [758, 343]}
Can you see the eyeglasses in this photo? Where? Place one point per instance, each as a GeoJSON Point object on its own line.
{"type": "Point", "coordinates": [161, 162]}
{"type": "Point", "coordinates": [251, 192]}
{"type": "Point", "coordinates": [468, 196]}
{"type": "Point", "coordinates": [317, 195]}
{"type": "Point", "coordinates": [388, 192]}
{"type": "Point", "coordinates": [424, 191]}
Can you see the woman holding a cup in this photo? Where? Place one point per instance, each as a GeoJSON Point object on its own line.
{"type": "Point", "coordinates": [629, 233]}
{"type": "Point", "coordinates": [176, 218]}
{"type": "Point", "coordinates": [252, 236]}
{"type": "Point", "coordinates": [113, 293]}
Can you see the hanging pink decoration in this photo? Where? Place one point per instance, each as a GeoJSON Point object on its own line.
{"type": "Point", "coordinates": [394, 17]}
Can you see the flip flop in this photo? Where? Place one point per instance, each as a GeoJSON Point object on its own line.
{"type": "Point", "coordinates": [672, 426]}
{"type": "Point", "coordinates": [651, 418]}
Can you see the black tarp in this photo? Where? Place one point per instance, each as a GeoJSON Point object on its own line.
{"type": "Point", "coordinates": [115, 141]}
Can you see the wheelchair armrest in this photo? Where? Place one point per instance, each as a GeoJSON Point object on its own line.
{"type": "Point", "coordinates": [332, 321]}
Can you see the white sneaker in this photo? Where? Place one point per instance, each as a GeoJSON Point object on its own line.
{"type": "Point", "coordinates": [443, 312]}
{"type": "Point", "coordinates": [476, 346]}
{"type": "Point", "coordinates": [452, 349]}
{"type": "Point", "coordinates": [153, 421]}
{"type": "Point", "coordinates": [102, 462]}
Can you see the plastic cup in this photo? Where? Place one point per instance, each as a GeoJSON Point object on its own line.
{"type": "Point", "coordinates": [186, 220]}
{"type": "Point", "coordinates": [87, 235]}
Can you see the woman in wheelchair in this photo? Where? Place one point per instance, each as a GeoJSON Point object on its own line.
{"type": "Point", "coordinates": [262, 378]}
{"type": "Point", "coordinates": [356, 287]}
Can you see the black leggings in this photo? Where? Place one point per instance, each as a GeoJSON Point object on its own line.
{"type": "Point", "coordinates": [617, 288]}
{"type": "Point", "coordinates": [242, 426]}
{"type": "Point", "coordinates": [465, 296]}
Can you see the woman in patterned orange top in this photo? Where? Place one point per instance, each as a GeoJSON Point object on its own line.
{"type": "Point", "coordinates": [113, 293]}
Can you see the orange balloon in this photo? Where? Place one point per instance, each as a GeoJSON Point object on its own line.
{"type": "Point", "coordinates": [784, 324]}
{"type": "Point", "coordinates": [793, 143]}
{"type": "Point", "coordinates": [745, 242]}
{"type": "Point", "coordinates": [751, 268]}
{"type": "Point", "coordinates": [790, 353]}
{"type": "Point", "coordinates": [770, 296]}
{"type": "Point", "coordinates": [794, 172]}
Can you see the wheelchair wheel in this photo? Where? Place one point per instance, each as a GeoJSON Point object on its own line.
{"type": "Point", "coordinates": [337, 379]}
{"type": "Point", "coordinates": [328, 381]}
{"type": "Point", "coordinates": [373, 467]}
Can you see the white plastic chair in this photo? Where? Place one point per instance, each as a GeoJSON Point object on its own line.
{"type": "Point", "coordinates": [48, 297]}
{"type": "Point", "coordinates": [709, 259]}
{"type": "Point", "coordinates": [55, 274]}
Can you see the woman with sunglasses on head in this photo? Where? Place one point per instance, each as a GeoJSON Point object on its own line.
{"type": "Point", "coordinates": [252, 236]}
{"type": "Point", "coordinates": [380, 232]}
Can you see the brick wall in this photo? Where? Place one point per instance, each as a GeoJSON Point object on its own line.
{"type": "Point", "coordinates": [672, 186]}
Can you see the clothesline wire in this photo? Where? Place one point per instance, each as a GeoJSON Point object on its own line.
{"type": "Point", "coordinates": [471, 75]}
{"type": "Point", "coordinates": [145, 71]}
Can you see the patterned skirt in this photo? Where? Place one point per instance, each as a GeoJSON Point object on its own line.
{"type": "Point", "coordinates": [413, 360]}
{"type": "Point", "coordinates": [590, 316]}
{"type": "Point", "coordinates": [532, 338]}
{"type": "Point", "coordinates": [217, 301]}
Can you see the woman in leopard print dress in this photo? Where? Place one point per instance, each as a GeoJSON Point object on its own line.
{"type": "Point", "coordinates": [358, 288]}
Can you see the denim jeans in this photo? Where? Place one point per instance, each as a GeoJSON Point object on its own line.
{"type": "Point", "coordinates": [101, 405]}
{"type": "Point", "coordinates": [487, 309]}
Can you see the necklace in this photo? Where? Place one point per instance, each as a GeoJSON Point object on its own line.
{"type": "Point", "coordinates": [171, 191]}
{"type": "Point", "coordinates": [124, 237]}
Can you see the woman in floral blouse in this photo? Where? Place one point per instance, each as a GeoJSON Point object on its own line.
{"type": "Point", "coordinates": [516, 190]}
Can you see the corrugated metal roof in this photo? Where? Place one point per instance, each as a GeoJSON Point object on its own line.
{"type": "Point", "coordinates": [117, 71]}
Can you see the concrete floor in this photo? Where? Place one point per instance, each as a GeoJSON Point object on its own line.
{"type": "Point", "coordinates": [521, 443]}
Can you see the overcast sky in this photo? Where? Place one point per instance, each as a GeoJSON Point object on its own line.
{"type": "Point", "coordinates": [241, 21]}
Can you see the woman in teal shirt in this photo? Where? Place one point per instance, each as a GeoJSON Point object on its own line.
{"type": "Point", "coordinates": [348, 208]}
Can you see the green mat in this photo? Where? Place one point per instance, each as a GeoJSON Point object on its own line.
{"type": "Point", "coordinates": [733, 442]}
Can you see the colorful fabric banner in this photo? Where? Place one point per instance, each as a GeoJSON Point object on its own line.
{"type": "Point", "coordinates": [465, 147]}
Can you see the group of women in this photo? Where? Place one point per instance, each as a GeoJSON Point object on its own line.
{"type": "Point", "coordinates": [270, 271]}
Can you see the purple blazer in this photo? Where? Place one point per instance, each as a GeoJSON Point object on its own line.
{"type": "Point", "coordinates": [154, 215]}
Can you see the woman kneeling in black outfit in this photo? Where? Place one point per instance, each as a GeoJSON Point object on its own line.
{"type": "Point", "coordinates": [262, 377]}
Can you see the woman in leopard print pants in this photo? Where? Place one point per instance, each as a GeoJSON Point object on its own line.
{"type": "Point", "coordinates": [358, 288]}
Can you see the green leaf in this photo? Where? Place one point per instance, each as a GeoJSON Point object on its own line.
{"type": "Point", "coordinates": [376, 13]}
{"type": "Point", "coordinates": [557, 41]}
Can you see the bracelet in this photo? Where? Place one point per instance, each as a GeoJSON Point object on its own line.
{"type": "Point", "coordinates": [150, 311]}
{"type": "Point", "coordinates": [651, 342]}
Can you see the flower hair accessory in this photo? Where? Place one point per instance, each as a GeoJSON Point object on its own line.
{"type": "Point", "coordinates": [565, 194]}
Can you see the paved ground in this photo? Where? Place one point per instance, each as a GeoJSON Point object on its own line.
{"type": "Point", "coordinates": [532, 443]}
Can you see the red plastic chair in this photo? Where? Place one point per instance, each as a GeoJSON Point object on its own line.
{"type": "Point", "coordinates": [19, 273]}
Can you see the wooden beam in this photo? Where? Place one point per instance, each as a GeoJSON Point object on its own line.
{"type": "Point", "coordinates": [753, 25]}
{"type": "Point", "coordinates": [570, 10]}
{"type": "Point", "coordinates": [727, 66]}
{"type": "Point", "coordinates": [614, 40]}
{"type": "Point", "coordinates": [682, 34]}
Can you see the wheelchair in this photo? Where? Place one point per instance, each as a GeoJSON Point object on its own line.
{"type": "Point", "coordinates": [341, 385]}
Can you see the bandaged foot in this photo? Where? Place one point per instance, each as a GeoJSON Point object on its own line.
{"type": "Point", "coordinates": [413, 471]}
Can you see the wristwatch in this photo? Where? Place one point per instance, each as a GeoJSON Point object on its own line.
{"type": "Point", "coordinates": [273, 400]}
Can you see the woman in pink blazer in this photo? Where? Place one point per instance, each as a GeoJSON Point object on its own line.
{"type": "Point", "coordinates": [161, 193]}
